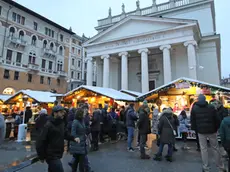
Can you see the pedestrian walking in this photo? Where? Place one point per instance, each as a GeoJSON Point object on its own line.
{"type": "Point", "coordinates": [113, 121]}
{"type": "Point", "coordinates": [205, 121]}
{"type": "Point", "coordinates": [183, 128]}
{"type": "Point", "coordinates": [144, 128]}
{"type": "Point", "coordinates": [2, 128]}
{"type": "Point", "coordinates": [95, 129]}
{"type": "Point", "coordinates": [50, 143]}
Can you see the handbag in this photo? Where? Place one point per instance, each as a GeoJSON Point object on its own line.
{"type": "Point", "coordinates": [174, 132]}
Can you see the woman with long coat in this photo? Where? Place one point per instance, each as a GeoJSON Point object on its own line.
{"type": "Point", "coordinates": [166, 134]}
{"type": "Point", "coordinates": [79, 149]}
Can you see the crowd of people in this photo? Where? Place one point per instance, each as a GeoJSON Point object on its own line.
{"type": "Point", "coordinates": [84, 131]}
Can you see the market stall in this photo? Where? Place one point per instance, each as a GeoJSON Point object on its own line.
{"type": "Point", "coordinates": [180, 94]}
{"type": "Point", "coordinates": [96, 95]}
{"type": "Point", "coordinates": [3, 108]}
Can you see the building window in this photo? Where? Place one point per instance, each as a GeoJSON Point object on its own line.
{"type": "Point", "coordinates": [16, 75]}
{"type": "Point", "coordinates": [59, 66]}
{"type": "Point", "coordinates": [14, 16]}
{"type": "Point", "coordinates": [58, 82]}
{"type": "Point", "coordinates": [41, 79]}
{"type": "Point", "coordinates": [9, 54]}
{"type": "Point", "coordinates": [72, 74]}
{"type": "Point", "coordinates": [35, 26]}
{"type": "Point", "coordinates": [79, 63]}
{"type": "Point", "coordinates": [0, 10]}
{"type": "Point", "coordinates": [61, 37]}
{"type": "Point", "coordinates": [23, 20]}
{"type": "Point", "coordinates": [79, 52]}
{"type": "Point", "coordinates": [49, 32]}
{"type": "Point", "coordinates": [51, 46]}
{"type": "Point", "coordinates": [12, 32]}
{"type": "Point", "coordinates": [73, 62]}
{"type": "Point", "coordinates": [18, 59]}
{"type": "Point", "coordinates": [48, 81]}
{"type": "Point", "coordinates": [50, 65]}
{"type": "Point", "coordinates": [32, 58]}
{"type": "Point", "coordinates": [78, 76]}
{"type": "Point", "coordinates": [71, 87]}
{"type": "Point", "coordinates": [44, 43]}
{"type": "Point", "coordinates": [43, 63]}
{"type": "Point", "coordinates": [85, 66]}
{"type": "Point", "coordinates": [34, 39]}
{"type": "Point", "coordinates": [18, 18]}
{"type": "Point", "coordinates": [61, 50]}
{"type": "Point", "coordinates": [6, 74]}
{"type": "Point", "coordinates": [74, 41]}
{"type": "Point", "coordinates": [52, 33]}
{"type": "Point", "coordinates": [30, 77]}
{"type": "Point", "coordinates": [21, 35]}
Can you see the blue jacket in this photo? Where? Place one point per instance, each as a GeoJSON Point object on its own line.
{"type": "Point", "coordinates": [131, 117]}
{"type": "Point", "coordinates": [225, 132]}
{"type": "Point", "coordinates": [184, 125]}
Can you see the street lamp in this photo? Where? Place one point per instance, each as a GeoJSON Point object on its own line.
{"type": "Point", "coordinates": [22, 128]}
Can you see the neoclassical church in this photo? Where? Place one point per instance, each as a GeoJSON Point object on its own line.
{"type": "Point", "coordinates": [149, 47]}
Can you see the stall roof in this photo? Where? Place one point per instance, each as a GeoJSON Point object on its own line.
{"type": "Point", "coordinates": [132, 93]}
{"type": "Point", "coordinates": [4, 97]}
{"type": "Point", "coordinates": [39, 96]}
{"type": "Point", "coordinates": [182, 79]}
{"type": "Point", "coordinates": [108, 92]}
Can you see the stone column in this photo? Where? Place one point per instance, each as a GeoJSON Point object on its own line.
{"type": "Point", "coordinates": [191, 53]}
{"type": "Point", "coordinates": [144, 70]}
{"type": "Point", "coordinates": [89, 75]}
{"type": "Point", "coordinates": [106, 71]}
{"type": "Point", "coordinates": [166, 63]}
{"type": "Point", "coordinates": [124, 70]}
{"type": "Point", "coordinates": [99, 70]}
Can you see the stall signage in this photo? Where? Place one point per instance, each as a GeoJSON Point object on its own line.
{"type": "Point", "coordinates": [182, 85]}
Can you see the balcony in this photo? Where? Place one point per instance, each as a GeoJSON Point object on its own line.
{"type": "Point", "coordinates": [17, 41]}
{"type": "Point", "coordinates": [62, 73]}
{"type": "Point", "coordinates": [48, 53]}
{"type": "Point", "coordinates": [33, 67]}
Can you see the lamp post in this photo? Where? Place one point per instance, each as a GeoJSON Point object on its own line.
{"type": "Point", "coordinates": [22, 128]}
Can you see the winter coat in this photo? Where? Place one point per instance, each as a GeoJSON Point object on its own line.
{"type": "Point", "coordinates": [165, 130]}
{"type": "Point", "coordinates": [184, 125]}
{"type": "Point", "coordinates": [143, 123]}
{"type": "Point", "coordinates": [103, 116]}
{"type": "Point", "coordinates": [78, 131]}
{"type": "Point", "coordinates": [204, 118]}
{"type": "Point", "coordinates": [131, 117]}
{"type": "Point", "coordinates": [95, 125]}
{"type": "Point", "coordinates": [50, 143]}
{"type": "Point", "coordinates": [28, 115]}
{"type": "Point", "coordinates": [70, 119]}
{"type": "Point", "coordinates": [122, 116]}
{"type": "Point", "coordinates": [113, 119]}
{"type": "Point", "coordinates": [225, 132]}
{"type": "Point", "coordinates": [40, 121]}
{"type": "Point", "coordinates": [2, 128]}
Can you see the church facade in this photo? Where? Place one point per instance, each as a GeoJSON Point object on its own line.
{"type": "Point", "coordinates": [146, 48]}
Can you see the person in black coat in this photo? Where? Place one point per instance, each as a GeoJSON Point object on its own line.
{"type": "Point", "coordinates": [28, 114]}
{"type": "Point", "coordinates": [95, 129]}
{"type": "Point", "coordinates": [50, 143]}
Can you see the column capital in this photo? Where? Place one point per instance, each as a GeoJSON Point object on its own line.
{"type": "Point", "coordinates": [105, 56]}
{"type": "Point", "coordinates": [162, 47]}
{"type": "Point", "coordinates": [123, 53]}
{"type": "Point", "coordinates": [193, 42]}
{"type": "Point", "coordinates": [145, 50]}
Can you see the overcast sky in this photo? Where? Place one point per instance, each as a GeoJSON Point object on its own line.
{"type": "Point", "coordinates": [82, 16]}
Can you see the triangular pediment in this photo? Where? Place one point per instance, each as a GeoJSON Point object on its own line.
{"type": "Point", "coordinates": [137, 25]}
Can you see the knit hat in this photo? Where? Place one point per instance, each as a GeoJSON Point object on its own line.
{"type": "Point", "coordinates": [43, 111]}
{"type": "Point", "coordinates": [201, 98]}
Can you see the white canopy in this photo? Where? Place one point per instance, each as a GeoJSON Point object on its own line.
{"type": "Point", "coordinates": [108, 92]}
{"type": "Point", "coordinates": [4, 97]}
{"type": "Point", "coordinates": [131, 92]}
{"type": "Point", "coordinates": [39, 96]}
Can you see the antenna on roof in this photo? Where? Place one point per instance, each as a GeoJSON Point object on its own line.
{"type": "Point", "coordinates": [70, 28]}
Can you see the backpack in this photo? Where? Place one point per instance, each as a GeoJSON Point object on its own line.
{"type": "Point", "coordinates": [114, 121]}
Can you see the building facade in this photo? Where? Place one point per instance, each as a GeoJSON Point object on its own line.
{"type": "Point", "coordinates": [146, 48]}
{"type": "Point", "coordinates": [36, 53]}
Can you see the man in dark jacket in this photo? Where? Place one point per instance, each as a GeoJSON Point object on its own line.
{"type": "Point", "coordinates": [50, 143]}
{"type": "Point", "coordinates": [95, 129]}
{"type": "Point", "coordinates": [28, 114]}
{"type": "Point", "coordinates": [131, 117]}
{"type": "Point", "coordinates": [205, 121]}
{"type": "Point", "coordinates": [144, 128]}
{"type": "Point", "coordinates": [103, 121]}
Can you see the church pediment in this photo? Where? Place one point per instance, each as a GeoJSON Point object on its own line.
{"type": "Point", "coordinates": [133, 26]}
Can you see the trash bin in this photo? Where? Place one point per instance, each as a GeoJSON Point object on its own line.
{"type": "Point", "coordinates": [22, 131]}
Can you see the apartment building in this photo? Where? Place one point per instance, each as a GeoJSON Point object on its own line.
{"type": "Point", "coordinates": [35, 52]}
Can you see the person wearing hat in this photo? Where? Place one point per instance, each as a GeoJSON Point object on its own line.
{"type": "Point", "coordinates": [41, 120]}
{"type": "Point", "coordinates": [50, 143]}
{"type": "Point", "coordinates": [205, 121]}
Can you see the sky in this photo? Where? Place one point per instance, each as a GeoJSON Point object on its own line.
{"type": "Point", "coordinates": [82, 16]}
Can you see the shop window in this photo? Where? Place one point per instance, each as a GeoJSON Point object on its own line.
{"type": "Point", "coordinates": [6, 74]}
{"type": "Point", "coordinates": [30, 77]}
{"type": "Point", "coordinates": [41, 79]}
{"type": "Point", "coordinates": [16, 75]}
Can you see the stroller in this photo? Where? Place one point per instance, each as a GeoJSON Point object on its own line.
{"type": "Point", "coordinates": [121, 131]}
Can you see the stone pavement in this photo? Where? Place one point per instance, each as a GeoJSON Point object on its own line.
{"type": "Point", "coordinates": [115, 158]}
{"type": "Point", "coordinates": [12, 153]}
